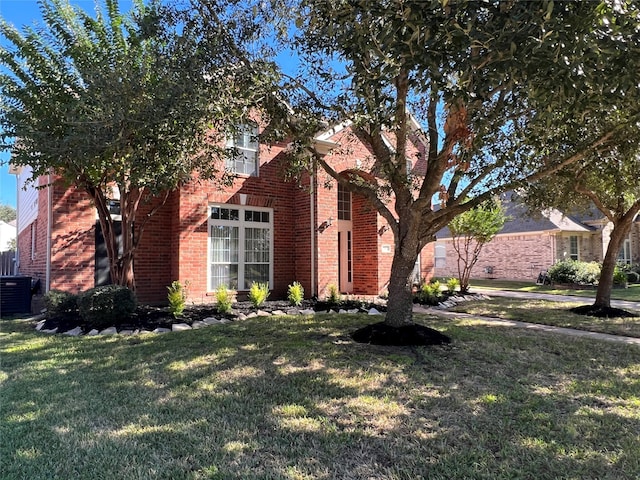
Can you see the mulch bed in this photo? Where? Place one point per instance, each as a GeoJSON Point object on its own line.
{"type": "Point", "coordinates": [602, 312]}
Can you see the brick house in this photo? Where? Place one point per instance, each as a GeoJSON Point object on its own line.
{"type": "Point", "coordinates": [528, 245]}
{"type": "Point", "coordinates": [262, 228]}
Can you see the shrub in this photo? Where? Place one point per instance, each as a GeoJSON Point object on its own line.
{"type": "Point", "coordinates": [296, 294]}
{"type": "Point", "coordinates": [59, 302]}
{"type": "Point", "coordinates": [429, 293]}
{"type": "Point", "coordinates": [587, 273]}
{"type": "Point", "coordinates": [334, 293]}
{"type": "Point", "coordinates": [619, 277]}
{"type": "Point", "coordinates": [258, 293]}
{"type": "Point", "coordinates": [452, 285]}
{"type": "Point", "coordinates": [177, 297]}
{"type": "Point", "coordinates": [563, 272]}
{"type": "Point", "coordinates": [223, 299]}
{"type": "Point", "coordinates": [106, 306]}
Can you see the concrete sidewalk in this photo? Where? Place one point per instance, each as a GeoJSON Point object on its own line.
{"type": "Point", "coordinates": [535, 326]}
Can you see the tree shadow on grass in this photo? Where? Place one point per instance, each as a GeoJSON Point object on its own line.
{"type": "Point", "coordinates": [295, 398]}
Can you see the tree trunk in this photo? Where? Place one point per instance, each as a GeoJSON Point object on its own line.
{"type": "Point", "coordinates": [400, 302]}
{"type": "Point", "coordinates": [618, 234]}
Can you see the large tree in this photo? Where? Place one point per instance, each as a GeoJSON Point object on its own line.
{"type": "Point", "coordinates": [608, 180]}
{"type": "Point", "coordinates": [140, 102]}
{"type": "Point", "coordinates": [496, 86]}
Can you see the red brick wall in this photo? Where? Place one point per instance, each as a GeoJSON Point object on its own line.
{"type": "Point", "coordinates": [35, 265]}
{"type": "Point", "coordinates": [513, 257]}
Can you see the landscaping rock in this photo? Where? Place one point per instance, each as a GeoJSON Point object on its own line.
{"type": "Point", "coordinates": [342, 311]}
{"type": "Point", "coordinates": [308, 311]}
{"type": "Point", "coordinates": [40, 324]}
{"type": "Point", "coordinates": [374, 311]}
{"type": "Point", "coordinates": [211, 321]}
{"type": "Point", "coordinates": [262, 313]}
{"type": "Point", "coordinates": [198, 324]}
{"type": "Point", "coordinates": [180, 327]}
{"type": "Point", "coordinates": [127, 332]}
{"type": "Point", "coordinates": [242, 316]}
{"type": "Point", "coordinates": [50, 330]}
{"type": "Point", "coordinates": [73, 333]}
{"type": "Point", "coordinates": [293, 311]}
{"type": "Point", "coordinates": [109, 331]}
{"type": "Point", "coordinates": [161, 330]}
{"type": "Point", "coordinates": [277, 312]}
{"type": "Point", "coordinates": [93, 332]}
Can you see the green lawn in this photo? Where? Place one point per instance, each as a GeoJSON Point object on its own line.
{"type": "Point", "coordinates": [549, 313]}
{"type": "Point", "coordinates": [632, 293]}
{"type": "Point", "coordinates": [294, 398]}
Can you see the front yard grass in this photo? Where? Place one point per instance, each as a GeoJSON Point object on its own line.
{"type": "Point", "coordinates": [295, 398]}
{"type": "Point", "coordinates": [549, 313]}
{"type": "Point", "coordinates": [632, 293]}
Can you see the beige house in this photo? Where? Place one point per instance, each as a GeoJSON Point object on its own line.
{"type": "Point", "coordinates": [528, 245]}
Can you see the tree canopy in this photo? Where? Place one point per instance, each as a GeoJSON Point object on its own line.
{"type": "Point", "coordinates": [7, 213]}
{"type": "Point", "coordinates": [140, 102]}
{"type": "Point", "coordinates": [500, 93]}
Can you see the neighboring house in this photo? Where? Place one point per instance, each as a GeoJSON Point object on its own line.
{"type": "Point", "coordinates": [262, 228]}
{"type": "Point", "coordinates": [526, 246]}
{"type": "Point", "coordinates": [7, 234]}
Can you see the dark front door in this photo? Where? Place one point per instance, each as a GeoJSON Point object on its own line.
{"type": "Point", "coordinates": [101, 274]}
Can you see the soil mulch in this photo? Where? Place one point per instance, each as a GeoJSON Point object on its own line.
{"type": "Point", "coordinates": [383, 334]}
{"type": "Point", "coordinates": [602, 312]}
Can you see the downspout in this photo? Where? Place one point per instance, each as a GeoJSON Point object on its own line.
{"type": "Point", "coordinates": [312, 223]}
{"type": "Point", "coordinates": [47, 281]}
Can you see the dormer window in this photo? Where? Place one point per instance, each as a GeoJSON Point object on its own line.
{"type": "Point", "coordinates": [243, 146]}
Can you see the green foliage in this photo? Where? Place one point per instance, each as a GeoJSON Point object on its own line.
{"type": "Point", "coordinates": [7, 213]}
{"type": "Point", "coordinates": [620, 278]}
{"type": "Point", "coordinates": [59, 302]}
{"type": "Point", "coordinates": [571, 271]}
{"type": "Point", "coordinates": [258, 293]}
{"type": "Point", "coordinates": [177, 297]}
{"type": "Point", "coordinates": [112, 99]}
{"type": "Point", "coordinates": [452, 285]}
{"type": "Point", "coordinates": [295, 294]}
{"type": "Point", "coordinates": [429, 293]}
{"type": "Point", "coordinates": [106, 306]}
{"type": "Point", "coordinates": [223, 299]}
{"type": "Point", "coordinates": [334, 293]}
{"type": "Point", "coordinates": [481, 223]}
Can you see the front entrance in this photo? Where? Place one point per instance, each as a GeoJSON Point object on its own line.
{"type": "Point", "coordinates": [345, 241]}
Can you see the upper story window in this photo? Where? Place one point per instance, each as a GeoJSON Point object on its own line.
{"type": "Point", "coordinates": [344, 203]}
{"type": "Point", "coordinates": [244, 143]}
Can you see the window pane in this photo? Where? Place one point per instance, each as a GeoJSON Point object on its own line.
{"type": "Point", "coordinates": [344, 203]}
{"type": "Point", "coordinates": [226, 275]}
{"type": "Point", "coordinates": [254, 272]}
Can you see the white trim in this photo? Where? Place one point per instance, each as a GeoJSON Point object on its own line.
{"type": "Point", "coordinates": [327, 134]}
{"type": "Point", "coordinates": [242, 224]}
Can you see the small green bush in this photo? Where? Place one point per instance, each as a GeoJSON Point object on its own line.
{"type": "Point", "coordinates": [177, 297]}
{"type": "Point", "coordinates": [223, 299]}
{"type": "Point", "coordinates": [59, 302]}
{"type": "Point", "coordinates": [334, 293]}
{"type": "Point", "coordinates": [452, 285]}
{"type": "Point", "coordinates": [429, 293]}
{"type": "Point", "coordinates": [296, 294]}
{"type": "Point", "coordinates": [620, 277]}
{"type": "Point", "coordinates": [563, 272]}
{"type": "Point", "coordinates": [258, 293]}
{"type": "Point", "coordinates": [588, 273]}
{"type": "Point", "coordinates": [106, 306]}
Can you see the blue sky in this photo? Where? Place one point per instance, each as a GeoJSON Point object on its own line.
{"type": "Point", "coordinates": [20, 13]}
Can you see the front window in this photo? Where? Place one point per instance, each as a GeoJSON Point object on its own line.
{"type": "Point", "coordinates": [240, 246]}
{"type": "Point", "coordinates": [440, 256]}
{"type": "Point", "coordinates": [574, 248]}
{"type": "Point", "coordinates": [624, 256]}
{"type": "Point", "coordinates": [243, 145]}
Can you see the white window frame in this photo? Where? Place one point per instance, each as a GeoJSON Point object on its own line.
{"type": "Point", "coordinates": [624, 255]}
{"type": "Point", "coordinates": [577, 252]}
{"type": "Point", "coordinates": [242, 225]}
{"type": "Point", "coordinates": [247, 150]}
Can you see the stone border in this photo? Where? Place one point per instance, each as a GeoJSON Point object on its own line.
{"type": "Point", "coordinates": [207, 322]}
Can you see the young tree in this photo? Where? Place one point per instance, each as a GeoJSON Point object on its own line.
{"type": "Point", "coordinates": [470, 231]}
{"type": "Point", "coordinates": [7, 213]}
{"type": "Point", "coordinates": [140, 102]}
{"type": "Point", "coordinates": [496, 88]}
